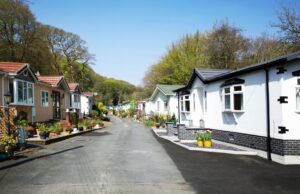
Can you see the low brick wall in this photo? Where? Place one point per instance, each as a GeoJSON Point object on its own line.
{"type": "Point", "coordinates": [171, 130]}
{"type": "Point", "coordinates": [185, 133]}
{"type": "Point", "coordinates": [278, 146]}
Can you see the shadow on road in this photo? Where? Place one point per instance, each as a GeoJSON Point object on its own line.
{"type": "Point", "coordinates": [29, 159]}
{"type": "Point", "coordinates": [96, 134]}
{"type": "Point", "coordinates": [223, 173]}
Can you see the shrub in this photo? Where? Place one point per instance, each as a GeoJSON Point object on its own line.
{"type": "Point", "coordinates": [148, 122]}
{"type": "Point", "coordinates": [42, 128]}
{"type": "Point", "coordinates": [94, 113]}
{"type": "Point", "coordinates": [7, 142]}
{"type": "Point", "coordinates": [106, 118]}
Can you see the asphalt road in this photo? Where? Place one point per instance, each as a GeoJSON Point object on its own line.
{"type": "Point", "coordinates": [128, 158]}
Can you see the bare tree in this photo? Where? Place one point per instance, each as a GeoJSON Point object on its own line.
{"type": "Point", "coordinates": [289, 26]}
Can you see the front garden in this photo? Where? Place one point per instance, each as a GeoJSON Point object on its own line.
{"type": "Point", "coordinates": [16, 134]}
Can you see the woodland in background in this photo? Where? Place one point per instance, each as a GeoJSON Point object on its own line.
{"type": "Point", "coordinates": [53, 51]}
{"type": "Point", "coordinates": [224, 47]}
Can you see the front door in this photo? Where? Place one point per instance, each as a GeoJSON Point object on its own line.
{"type": "Point", "coordinates": [56, 105]}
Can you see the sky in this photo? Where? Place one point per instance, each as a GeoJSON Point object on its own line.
{"type": "Point", "coordinates": [128, 36]}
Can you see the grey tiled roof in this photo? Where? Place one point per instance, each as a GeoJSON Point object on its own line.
{"type": "Point", "coordinates": [168, 89]}
{"type": "Point", "coordinates": [210, 73]}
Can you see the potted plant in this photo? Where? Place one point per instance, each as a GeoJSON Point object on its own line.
{"type": "Point", "coordinates": [42, 130]}
{"type": "Point", "coordinates": [7, 145]}
{"type": "Point", "coordinates": [199, 138]}
{"type": "Point", "coordinates": [157, 125]}
{"type": "Point", "coordinates": [80, 126]}
{"type": "Point", "coordinates": [85, 124]}
{"type": "Point", "coordinates": [207, 139]}
{"type": "Point", "coordinates": [55, 130]}
{"type": "Point", "coordinates": [30, 131]}
{"type": "Point", "coordinates": [68, 131]}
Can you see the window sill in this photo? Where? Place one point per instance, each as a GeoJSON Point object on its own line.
{"type": "Point", "coordinates": [186, 112]}
{"type": "Point", "coordinates": [233, 111]}
{"type": "Point", "coordinates": [20, 104]}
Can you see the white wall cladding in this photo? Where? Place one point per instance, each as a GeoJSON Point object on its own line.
{"type": "Point", "coordinates": [290, 118]}
{"type": "Point", "coordinates": [253, 119]}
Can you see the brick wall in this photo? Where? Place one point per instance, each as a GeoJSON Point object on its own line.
{"type": "Point", "coordinates": [278, 146]}
{"type": "Point", "coordinates": [171, 130]}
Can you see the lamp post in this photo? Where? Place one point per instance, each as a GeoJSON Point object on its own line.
{"type": "Point", "coordinates": [7, 100]}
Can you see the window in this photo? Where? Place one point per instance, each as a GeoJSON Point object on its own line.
{"type": "Point", "coordinates": [45, 98]}
{"type": "Point", "coordinates": [24, 92]}
{"type": "Point", "coordinates": [298, 95]}
{"type": "Point", "coordinates": [205, 103]}
{"type": "Point", "coordinates": [77, 100]}
{"type": "Point", "coordinates": [166, 106]}
{"type": "Point", "coordinates": [185, 103]}
{"type": "Point", "coordinates": [233, 98]}
{"type": "Point", "coordinates": [158, 105]}
{"type": "Point", "coordinates": [194, 102]}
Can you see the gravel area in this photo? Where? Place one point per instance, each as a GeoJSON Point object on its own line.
{"type": "Point", "coordinates": [162, 133]}
{"type": "Point", "coordinates": [215, 146]}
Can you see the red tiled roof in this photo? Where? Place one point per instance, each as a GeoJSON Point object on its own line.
{"type": "Point", "coordinates": [52, 80]}
{"type": "Point", "coordinates": [11, 67]}
{"type": "Point", "coordinates": [89, 94]}
{"type": "Point", "coordinates": [73, 86]}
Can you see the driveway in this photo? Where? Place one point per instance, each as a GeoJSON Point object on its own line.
{"type": "Point", "coordinates": [123, 158]}
{"type": "Point", "coordinates": [127, 158]}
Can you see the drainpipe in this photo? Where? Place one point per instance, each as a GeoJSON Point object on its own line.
{"type": "Point", "coordinates": [178, 107]}
{"type": "Point", "coordinates": [269, 150]}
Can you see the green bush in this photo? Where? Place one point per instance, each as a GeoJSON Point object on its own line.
{"type": "Point", "coordinates": [148, 122]}
{"type": "Point", "coordinates": [106, 119]}
{"type": "Point", "coordinates": [94, 113]}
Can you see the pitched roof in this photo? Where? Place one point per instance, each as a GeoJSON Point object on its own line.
{"type": "Point", "coordinates": [73, 86]}
{"type": "Point", "coordinates": [168, 89]}
{"type": "Point", "coordinates": [208, 76]}
{"type": "Point", "coordinates": [282, 60]}
{"type": "Point", "coordinates": [89, 94]}
{"type": "Point", "coordinates": [165, 89]}
{"type": "Point", "coordinates": [210, 73]}
{"type": "Point", "coordinates": [52, 80]}
{"type": "Point", "coordinates": [12, 67]}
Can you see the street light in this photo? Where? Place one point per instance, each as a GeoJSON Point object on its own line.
{"type": "Point", "coordinates": [7, 100]}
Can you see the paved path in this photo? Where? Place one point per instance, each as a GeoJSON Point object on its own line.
{"type": "Point", "coordinates": [127, 158]}
{"type": "Point", "coordinates": [123, 158]}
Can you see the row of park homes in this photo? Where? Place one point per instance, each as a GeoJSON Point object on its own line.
{"type": "Point", "coordinates": [256, 107]}
{"type": "Point", "coordinates": [39, 98]}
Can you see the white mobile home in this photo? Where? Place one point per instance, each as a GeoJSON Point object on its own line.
{"type": "Point", "coordinates": [256, 107]}
{"type": "Point", "coordinates": [164, 100]}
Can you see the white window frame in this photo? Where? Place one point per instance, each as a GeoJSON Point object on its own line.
{"type": "Point", "coordinates": [45, 100]}
{"type": "Point", "coordinates": [25, 101]}
{"type": "Point", "coordinates": [231, 94]}
{"type": "Point", "coordinates": [297, 88]}
{"type": "Point", "coordinates": [76, 103]}
{"type": "Point", "coordinates": [183, 100]}
{"type": "Point", "coordinates": [194, 102]}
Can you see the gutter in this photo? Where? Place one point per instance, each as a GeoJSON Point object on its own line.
{"type": "Point", "coordinates": [269, 149]}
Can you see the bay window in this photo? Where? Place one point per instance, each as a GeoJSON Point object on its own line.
{"type": "Point", "coordinates": [24, 92]}
{"type": "Point", "coordinates": [233, 98]}
{"type": "Point", "coordinates": [185, 103]}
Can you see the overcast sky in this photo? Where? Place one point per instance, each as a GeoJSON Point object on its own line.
{"type": "Point", "coordinates": [128, 36]}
